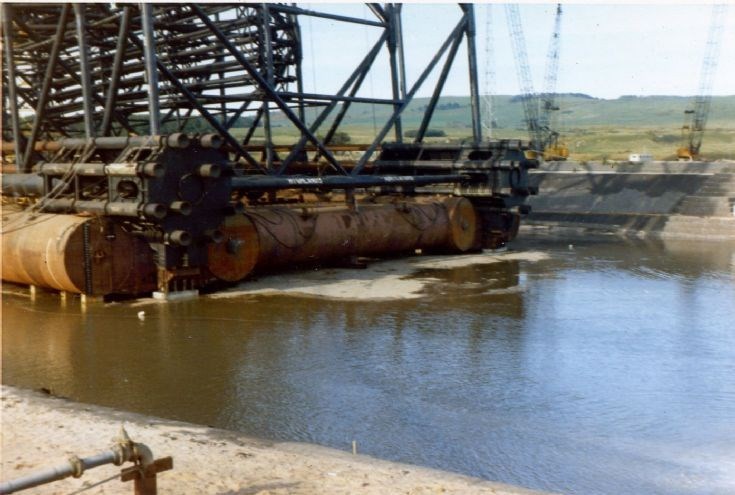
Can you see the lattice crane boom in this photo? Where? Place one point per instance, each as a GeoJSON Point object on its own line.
{"type": "Point", "coordinates": [553, 150]}
{"type": "Point", "coordinates": [696, 117]}
{"type": "Point", "coordinates": [548, 97]}
{"type": "Point", "coordinates": [523, 71]}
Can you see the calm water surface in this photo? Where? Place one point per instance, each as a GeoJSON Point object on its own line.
{"type": "Point", "coordinates": [607, 368]}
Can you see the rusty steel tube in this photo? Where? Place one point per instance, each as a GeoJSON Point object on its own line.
{"type": "Point", "coordinates": [175, 140]}
{"type": "Point", "coordinates": [268, 237]}
{"type": "Point", "coordinates": [52, 251]}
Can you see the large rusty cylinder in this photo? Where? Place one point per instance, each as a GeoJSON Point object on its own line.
{"type": "Point", "coordinates": [89, 255]}
{"type": "Point", "coordinates": [278, 236]}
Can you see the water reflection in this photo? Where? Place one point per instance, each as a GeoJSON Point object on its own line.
{"type": "Point", "coordinates": [604, 369]}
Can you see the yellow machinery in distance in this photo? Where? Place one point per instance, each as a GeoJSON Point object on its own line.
{"type": "Point", "coordinates": [538, 108]}
{"type": "Point", "coordinates": [553, 149]}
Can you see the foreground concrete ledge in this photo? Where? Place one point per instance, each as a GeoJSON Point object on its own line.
{"type": "Point", "coordinates": [40, 431]}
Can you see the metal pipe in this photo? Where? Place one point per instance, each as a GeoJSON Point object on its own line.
{"type": "Point", "coordinates": [263, 84]}
{"type": "Point", "coordinates": [22, 185]}
{"type": "Point", "coordinates": [42, 99]}
{"type": "Point", "coordinates": [12, 94]}
{"type": "Point", "coordinates": [266, 51]}
{"type": "Point", "coordinates": [37, 45]}
{"type": "Point", "coordinates": [437, 90]}
{"type": "Point", "coordinates": [40, 478]}
{"type": "Point", "coordinates": [84, 70]}
{"type": "Point", "coordinates": [233, 120]}
{"type": "Point", "coordinates": [203, 111]}
{"type": "Point", "coordinates": [299, 55]}
{"type": "Point", "coordinates": [259, 183]}
{"type": "Point", "coordinates": [379, 138]}
{"type": "Point", "coordinates": [377, 9]}
{"type": "Point", "coordinates": [343, 110]}
{"type": "Point", "coordinates": [253, 126]}
{"type": "Point", "coordinates": [297, 10]}
{"type": "Point", "coordinates": [75, 77]}
{"type": "Point", "coordinates": [355, 78]}
{"type": "Point", "coordinates": [221, 74]}
{"type": "Point", "coordinates": [67, 205]}
{"type": "Point", "coordinates": [129, 169]}
{"type": "Point", "coordinates": [350, 99]}
{"type": "Point", "coordinates": [394, 74]}
{"type": "Point", "coordinates": [116, 71]}
{"type": "Point", "coordinates": [401, 54]}
{"type": "Point", "coordinates": [24, 95]}
{"type": "Point", "coordinates": [175, 140]}
{"type": "Point", "coordinates": [151, 61]}
{"type": "Point", "coordinates": [472, 61]}
{"type": "Point", "coordinates": [75, 466]}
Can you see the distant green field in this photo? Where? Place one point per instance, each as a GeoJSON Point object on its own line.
{"type": "Point", "coordinates": [593, 129]}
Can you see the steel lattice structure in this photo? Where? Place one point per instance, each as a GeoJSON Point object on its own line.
{"type": "Point", "coordinates": [90, 70]}
{"type": "Point", "coordinates": [125, 124]}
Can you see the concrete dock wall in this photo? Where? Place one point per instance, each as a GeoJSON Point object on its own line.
{"type": "Point", "coordinates": [666, 199]}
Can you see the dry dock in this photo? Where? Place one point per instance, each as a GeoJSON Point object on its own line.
{"type": "Point", "coordinates": [39, 431]}
{"type": "Point", "coordinates": [685, 200]}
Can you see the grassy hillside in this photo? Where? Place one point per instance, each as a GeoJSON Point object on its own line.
{"type": "Point", "coordinates": [592, 128]}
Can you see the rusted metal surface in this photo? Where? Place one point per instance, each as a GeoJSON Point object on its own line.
{"type": "Point", "coordinates": [235, 257]}
{"type": "Point", "coordinates": [464, 223]}
{"type": "Point", "coordinates": [48, 250]}
{"type": "Point", "coordinates": [124, 450]}
{"type": "Point", "coordinates": [161, 164]}
{"type": "Point", "coordinates": [146, 481]}
{"type": "Point", "coordinates": [280, 236]}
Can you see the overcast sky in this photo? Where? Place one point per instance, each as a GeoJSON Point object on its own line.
{"type": "Point", "coordinates": [606, 50]}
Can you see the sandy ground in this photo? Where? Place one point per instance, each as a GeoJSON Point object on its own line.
{"type": "Point", "coordinates": [381, 280]}
{"type": "Point", "coordinates": [40, 432]}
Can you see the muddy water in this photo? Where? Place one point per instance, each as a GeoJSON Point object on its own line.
{"type": "Point", "coordinates": [602, 367]}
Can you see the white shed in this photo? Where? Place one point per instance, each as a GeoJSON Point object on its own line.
{"type": "Point", "coordinates": [640, 157]}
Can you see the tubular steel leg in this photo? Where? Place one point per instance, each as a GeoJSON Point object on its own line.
{"type": "Point", "coordinates": [116, 71]}
{"type": "Point", "coordinates": [355, 78]}
{"type": "Point", "coordinates": [267, 88]}
{"type": "Point", "coordinates": [472, 59]}
{"type": "Point", "coordinates": [151, 61]}
{"type": "Point", "coordinates": [267, 57]}
{"type": "Point", "coordinates": [457, 31]}
{"type": "Point", "coordinates": [42, 99]}
{"type": "Point", "coordinates": [71, 72]}
{"type": "Point", "coordinates": [392, 27]}
{"type": "Point", "coordinates": [84, 70]}
{"type": "Point", "coordinates": [299, 62]}
{"type": "Point", "coordinates": [192, 99]}
{"type": "Point", "coordinates": [401, 55]}
{"type": "Point", "coordinates": [7, 11]}
{"type": "Point", "coordinates": [437, 90]}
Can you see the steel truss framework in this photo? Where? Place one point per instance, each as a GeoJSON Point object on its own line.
{"type": "Point", "coordinates": [99, 70]}
{"type": "Point", "coordinates": [102, 99]}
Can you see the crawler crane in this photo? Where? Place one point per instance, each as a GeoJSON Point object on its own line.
{"type": "Point", "coordinates": [553, 149]}
{"type": "Point", "coordinates": [538, 110]}
{"type": "Point", "coordinates": [695, 118]}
